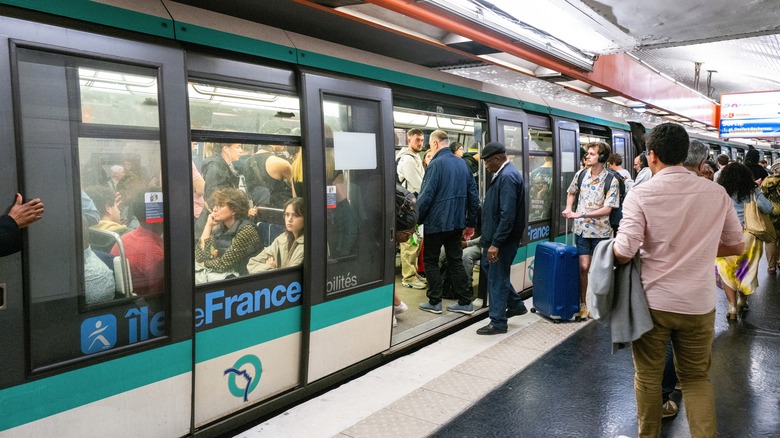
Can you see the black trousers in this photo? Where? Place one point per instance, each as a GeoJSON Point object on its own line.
{"type": "Point", "coordinates": [450, 240]}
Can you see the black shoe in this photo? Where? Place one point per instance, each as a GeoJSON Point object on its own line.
{"type": "Point", "coordinates": [516, 312]}
{"type": "Point", "coordinates": [490, 330]}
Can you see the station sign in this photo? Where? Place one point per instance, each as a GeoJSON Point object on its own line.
{"type": "Point", "coordinates": [748, 115]}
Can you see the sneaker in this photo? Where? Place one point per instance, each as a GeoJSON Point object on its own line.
{"type": "Point", "coordinates": [428, 307]}
{"type": "Point", "coordinates": [414, 284]}
{"type": "Point", "coordinates": [466, 309]}
{"type": "Point", "coordinates": [670, 409]}
{"type": "Point", "coordinates": [395, 321]}
{"type": "Point", "coordinates": [422, 279]}
{"type": "Point", "coordinates": [401, 308]}
{"type": "Point", "coordinates": [742, 302]}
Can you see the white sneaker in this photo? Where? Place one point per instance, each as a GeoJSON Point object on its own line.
{"type": "Point", "coordinates": [414, 284]}
{"type": "Point", "coordinates": [395, 321]}
{"type": "Point", "coordinates": [401, 308]}
{"type": "Point", "coordinates": [422, 279]}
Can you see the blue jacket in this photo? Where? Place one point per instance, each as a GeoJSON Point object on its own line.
{"type": "Point", "coordinates": [503, 212]}
{"type": "Point", "coordinates": [448, 198]}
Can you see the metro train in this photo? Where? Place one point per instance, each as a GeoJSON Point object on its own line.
{"type": "Point", "coordinates": [136, 96]}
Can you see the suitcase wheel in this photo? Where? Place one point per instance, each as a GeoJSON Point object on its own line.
{"type": "Point", "coordinates": [533, 310]}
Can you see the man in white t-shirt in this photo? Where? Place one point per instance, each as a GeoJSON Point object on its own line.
{"type": "Point", "coordinates": [615, 162]}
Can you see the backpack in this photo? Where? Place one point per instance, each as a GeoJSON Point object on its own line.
{"type": "Point", "coordinates": [405, 211]}
{"type": "Point", "coordinates": [617, 213]}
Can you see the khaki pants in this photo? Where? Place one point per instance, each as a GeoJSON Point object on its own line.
{"type": "Point", "coordinates": [409, 261]}
{"type": "Point", "coordinates": [692, 337]}
{"type": "Point", "coordinates": [771, 254]}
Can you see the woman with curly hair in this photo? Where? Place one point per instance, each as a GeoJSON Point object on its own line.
{"type": "Point", "coordinates": [739, 274]}
{"type": "Point", "coordinates": [228, 239]}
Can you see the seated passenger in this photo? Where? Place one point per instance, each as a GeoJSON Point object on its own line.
{"type": "Point", "coordinates": [105, 202]}
{"type": "Point", "coordinates": [99, 284]}
{"type": "Point", "coordinates": [144, 250]}
{"type": "Point", "coordinates": [229, 239]}
{"type": "Point", "coordinates": [287, 249]}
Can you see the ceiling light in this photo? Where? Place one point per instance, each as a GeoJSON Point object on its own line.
{"type": "Point", "coordinates": [509, 26]}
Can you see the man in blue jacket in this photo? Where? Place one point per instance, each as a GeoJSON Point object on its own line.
{"type": "Point", "coordinates": [503, 217]}
{"type": "Point", "coordinates": [448, 206]}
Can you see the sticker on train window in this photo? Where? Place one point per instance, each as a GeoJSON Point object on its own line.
{"type": "Point", "coordinates": [154, 207]}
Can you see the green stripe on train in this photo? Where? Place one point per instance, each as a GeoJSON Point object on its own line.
{"type": "Point", "coordinates": [42, 398]}
{"type": "Point", "coordinates": [224, 340]}
{"type": "Point", "coordinates": [214, 38]}
{"type": "Point", "coordinates": [99, 13]}
{"type": "Point", "coordinates": [236, 336]}
{"type": "Point", "coordinates": [351, 306]}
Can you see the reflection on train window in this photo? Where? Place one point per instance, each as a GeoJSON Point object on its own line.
{"type": "Point", "coordinates": [512, 135]}
{"type": "Point", "coordinates": [224, 108]}
{"type": "Point", "coordinates": [91, 150]}
{"type": "Point", "coordinates": [118, 98]}
{"type": "Point", "coordinates": [353, 192]}
{"type": "Point", "coordinates": [541, 174]}
{"type": "Point", "coordinates": [248, 209]}
{"type": "Point", "coordinates": [569, 165]}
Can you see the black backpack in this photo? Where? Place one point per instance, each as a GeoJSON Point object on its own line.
{"type": "Point", "coordinates": [616, 214]}
{"type": "Point", "coordinates": [405, 211]}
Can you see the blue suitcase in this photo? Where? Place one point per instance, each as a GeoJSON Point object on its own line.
{"type": "Point", "coordinates": [556, 288]}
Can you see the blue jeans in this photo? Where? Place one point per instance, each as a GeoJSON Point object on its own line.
{"type": "Point", "coordinates": [501, 293]}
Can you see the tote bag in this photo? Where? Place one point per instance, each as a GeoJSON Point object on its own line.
{"type": "Point", "coordinates": [757, 223]}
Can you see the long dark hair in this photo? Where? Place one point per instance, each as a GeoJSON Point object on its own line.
{"type": "Point", "coordinates": [297, 205]}
{"type": "Point", "coordinates": [737, 179]}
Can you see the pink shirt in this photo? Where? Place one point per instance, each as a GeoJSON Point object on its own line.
{"type": "Point", "coordinates": [676, 220]}
{"type": "Point", "coordinates": [197, 200]}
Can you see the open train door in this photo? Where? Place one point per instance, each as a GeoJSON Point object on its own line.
{"type": "Point", "coordinates": [349, 127]}
{"type": "Point", "coordinates": [510, 127]}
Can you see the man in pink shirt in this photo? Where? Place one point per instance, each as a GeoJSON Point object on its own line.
{"type": "Point", "coordinates": [679, 223]}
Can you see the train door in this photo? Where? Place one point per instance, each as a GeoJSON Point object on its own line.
{"type": "Point", "coordinates": [349, 132]}
{"type": "Point", "coordinates": [94, 326]}
{"type": "Point", "coordinates": [247, 154]}
{"type": "Point", "coordinates": [542, 188]}
{"type": "Point", "coordinates": [566, 135]}
{"type": "Point", "coordinates": [621, 140]}
{"type": "Point", "coordinates": [510, 127]}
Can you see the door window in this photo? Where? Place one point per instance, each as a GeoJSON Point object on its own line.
{"type": "Point", "coordinates": [91, 151]}
{"type": "Point", "coordinates": [354, 193]}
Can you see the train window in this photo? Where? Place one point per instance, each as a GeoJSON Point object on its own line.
{"type": "Point", "coordinates": [354, 193]}
{"type": "Point", "coordinates": [513, 141]}
{"type": "Point", "coordinates": [224, 108]}
{"type": "Point", "coordinates": [91, 150]}
{"type": "Point", "coordinates": [569, 166]}
{"type": "Point", "coordinates": [248, 214]}
{"type": "Point", "coordinates": [540, 175]}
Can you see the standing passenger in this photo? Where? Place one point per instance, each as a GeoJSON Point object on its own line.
{"type": "Point", "coordinates": [503, 222]}
{"type": "Point", "coordinates": [677, 255]}
{"type": "Point", "coordinates": [770, 187]}
{"type": "Point", "coordinates": [723, 160]}
{"type": "Point", "coordinates": [594, 203]}
{"type": "Point", "coordinates": [615, 162]}
{"type": "Point", "coordinates": [410, 175]}
{"type": "Point", "coordinates": [447, 204]}
{"type": "Point", "coordinates": [643, 172]}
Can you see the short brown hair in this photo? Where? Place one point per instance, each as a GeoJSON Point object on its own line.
{"type": "Point", "coordinates": [234, 199]}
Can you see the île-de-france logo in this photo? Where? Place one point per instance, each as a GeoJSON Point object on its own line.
{"type": "Point", "coordinates": [244, 376]}
{"type": "Point", "coordinates": [98, 334]}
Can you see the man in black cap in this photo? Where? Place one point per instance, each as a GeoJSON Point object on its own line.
{"type": "Point", "coordinates": [503, 220]}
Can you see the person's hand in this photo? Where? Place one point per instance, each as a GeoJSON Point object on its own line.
{"type": "Point", "coordinates": [468, 233]}
{"type": "Point", "coordinates": [271, 262]}
{"type": "Point", "coordinates": [567, 213]}
{"type": "Point", "coordinates": [252, 212]}
{"type": "Point", "coordinates": [27, 213]}
{"type": "Point", "coordinates": [492, 254]}
{"type": "Point", "coordinates": [463, 244]}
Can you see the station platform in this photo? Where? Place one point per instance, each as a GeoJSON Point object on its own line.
{"type": "Point", "coordinates": [544, 379]}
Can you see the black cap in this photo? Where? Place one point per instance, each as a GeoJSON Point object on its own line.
{"type": "Point", "coordinates": [491, 149]}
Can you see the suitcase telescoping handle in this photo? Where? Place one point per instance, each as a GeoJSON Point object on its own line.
{"type": "Point", "coordinates": [566, 237]}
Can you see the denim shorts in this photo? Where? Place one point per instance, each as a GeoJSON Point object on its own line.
{"type": "Point", "coordinates": [586, 245]}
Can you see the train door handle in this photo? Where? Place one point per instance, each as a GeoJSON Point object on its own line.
{"type": "Point", "coordinates": [2, 296]}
